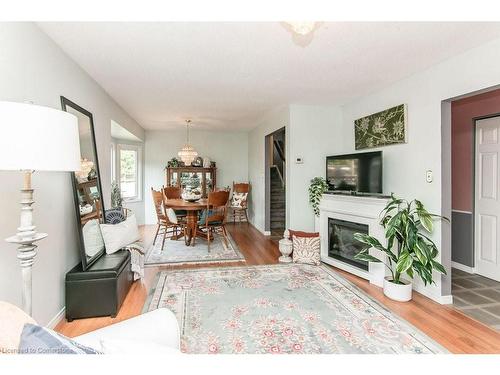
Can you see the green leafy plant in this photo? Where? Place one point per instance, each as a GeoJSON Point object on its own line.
{"type": "Point", "coordinates": [409, 249]}
{"type": "Point", "coordinates": [116, 195]}
{"type": "Point", "coordinates": [173, 163]}
{"type": "Point", "coordinates": [316, 190]}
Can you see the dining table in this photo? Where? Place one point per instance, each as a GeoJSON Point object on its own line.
{"type": "Point", "coordinates": [191, 230]}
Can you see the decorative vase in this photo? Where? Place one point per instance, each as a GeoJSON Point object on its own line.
{"type": "Point", "coordinates": [397, 292]}
{"type": "Point", "coordinates": [206, 162]}
{"type": "Point", "coordinates": [286, 248]}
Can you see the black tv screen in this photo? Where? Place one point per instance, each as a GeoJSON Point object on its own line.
{"type": "Point", "coordinates": [360, 172]}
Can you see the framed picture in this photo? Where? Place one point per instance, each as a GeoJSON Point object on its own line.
{"type": "Point", "coordinates": [382, 128]}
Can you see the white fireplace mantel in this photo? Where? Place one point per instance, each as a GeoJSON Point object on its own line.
{"type": "Point", "coordinates": [358, 209]}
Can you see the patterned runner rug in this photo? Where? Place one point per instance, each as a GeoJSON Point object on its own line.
{"type": "Point", "coordinates": [176, 252]}
{"type": "Point", "coordinates": [280, 309]}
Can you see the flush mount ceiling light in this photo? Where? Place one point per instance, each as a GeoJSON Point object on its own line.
{"type": "Point", "coordinates": [187, 154]}
{"type": "Point", "coordinates": [302, 27]}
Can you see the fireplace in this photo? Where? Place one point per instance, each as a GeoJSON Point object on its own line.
{"type": "Point", "coordinates": [341, 243]}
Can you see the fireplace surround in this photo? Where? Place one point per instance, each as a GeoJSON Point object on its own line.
{"type": "Point", "coordinates": [341, 243]}
{"type": "Point", "coordinates": [340, 217]}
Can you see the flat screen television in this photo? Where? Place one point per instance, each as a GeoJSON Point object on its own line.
{"type": "Point", "coordinates": [355, 173]}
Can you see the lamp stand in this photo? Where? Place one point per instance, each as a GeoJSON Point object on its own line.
{"type": "Point", "coordinates": [26, 237]}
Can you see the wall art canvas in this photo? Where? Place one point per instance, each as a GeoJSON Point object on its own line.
{"type": "Point", "coordinates": [382, 128]}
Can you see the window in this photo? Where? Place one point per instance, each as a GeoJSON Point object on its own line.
{"type": "Point", "coordinates": [129, 173]}
{"type": "Point", "coordinates": [113, 162]}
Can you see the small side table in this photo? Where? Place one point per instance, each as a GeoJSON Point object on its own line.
{"type": "Point", "coordinates": [286, 248]}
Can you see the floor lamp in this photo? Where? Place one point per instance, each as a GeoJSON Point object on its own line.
{"type": "Point", "coordinates": [35, 138]}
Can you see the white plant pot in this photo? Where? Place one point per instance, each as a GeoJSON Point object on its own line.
{"type": "Point", "coordinates": [397, 292]}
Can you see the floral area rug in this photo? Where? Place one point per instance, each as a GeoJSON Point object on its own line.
{"type": "Point", "coordinates": [280, 309]}
{"type": "Point", "coordinates": [175, 252]}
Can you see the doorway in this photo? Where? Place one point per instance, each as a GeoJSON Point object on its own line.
{"type": "Point", "coordinates": [475, 276]}
{"type": "Point", "coordinates": [275, 148]}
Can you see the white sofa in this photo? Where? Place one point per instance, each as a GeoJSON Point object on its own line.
{"type": "Point", "coordinates": [155, 331]}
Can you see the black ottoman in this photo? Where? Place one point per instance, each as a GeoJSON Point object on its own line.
{"type": "Point", "coordinates": [100, 290]}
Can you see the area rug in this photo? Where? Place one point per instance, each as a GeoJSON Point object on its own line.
{"type": "Point", "coordinates": [177, 253]}
{"type": "Point", "coordinates": [280, 309]}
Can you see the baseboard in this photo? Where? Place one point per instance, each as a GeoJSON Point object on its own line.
{"type": "Point", "coordinates": [446, 300]}
{"type": "Point", "coordinates": [264, 232]}
{"type": "Point", "coordinates": [56, 319]}
{"type": "Point", "coordinates": [433, 293]}
{"type": "Point", "coordinates": [462, 267]}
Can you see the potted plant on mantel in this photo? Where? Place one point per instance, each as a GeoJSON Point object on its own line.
{"type": "Point", "coordinates": [409, 250]}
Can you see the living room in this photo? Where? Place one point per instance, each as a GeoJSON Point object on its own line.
{"type": "Point", "coordinates": [175, 131]}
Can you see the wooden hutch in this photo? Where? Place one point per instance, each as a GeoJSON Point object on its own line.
{"type": "Point", "coordinates": [205, 178]}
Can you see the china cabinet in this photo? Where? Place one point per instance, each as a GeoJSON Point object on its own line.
{"type": "Point", "coordinates": [191, 178]}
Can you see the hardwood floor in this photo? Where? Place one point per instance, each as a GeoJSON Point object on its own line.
{"type": "Point", "coordinates": [448, 326]}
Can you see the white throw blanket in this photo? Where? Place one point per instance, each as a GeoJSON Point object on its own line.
{"type": "Point", "coordinates": [138, 255]}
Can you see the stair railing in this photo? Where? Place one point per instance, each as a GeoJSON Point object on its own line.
{"type": "Point", "coordinates": [279, 174]}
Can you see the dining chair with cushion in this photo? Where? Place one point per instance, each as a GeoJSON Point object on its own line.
{"type": "Point", "coordinates": [213, 219]}
{"type": "Point", "coordinates": [239, 201]}
{"type": "Point", "coordinates": [166, 220]}
{"type": "Point", "coordinates": [175, 192]}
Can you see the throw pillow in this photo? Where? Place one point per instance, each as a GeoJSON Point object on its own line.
{"type": "Point", "coordinates": [116, 236]}
{"type": "Point", "coordinates": [172, 217]}
{"type": "Point", "coordinates": [40, 340]}
{"type": "Point", "coordinates": [299, 233]}
{"type": "Point", "coordinates": [114, 215]}
{"type": "Point", "coordinates": [306, 250]}
{"type": "Point", "coordinates": [239, 200]}
{"type": "Point", "coordinates": [92, 238]}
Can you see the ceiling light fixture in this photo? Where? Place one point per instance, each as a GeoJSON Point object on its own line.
{"type": "Point", "coordinates": [302, 27]}
{"type": "Point", "coordinates": [187, 154]}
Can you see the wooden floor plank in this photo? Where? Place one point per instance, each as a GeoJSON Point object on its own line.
{"type": "Point", "coordinates": [448, 326]}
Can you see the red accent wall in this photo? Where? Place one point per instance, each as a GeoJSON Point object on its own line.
{"type": "Point", "coordinates": [462, 147]}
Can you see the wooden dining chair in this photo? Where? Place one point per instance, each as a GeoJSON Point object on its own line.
{"type": "Point", "coordinates": [239, 201]}
{"type": "Point", "coordinates": [172, 192]}
{"type": "Point", "coordinates": [163, 222]}
{"type": "Point", "coordinates": [175, 192]}
{"type": "Point", "coordinates": [213, 221]}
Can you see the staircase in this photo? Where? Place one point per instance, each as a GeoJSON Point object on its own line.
{"type": "Point", "coordinates": [278, 203]}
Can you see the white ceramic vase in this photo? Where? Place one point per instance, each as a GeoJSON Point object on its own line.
{"type": "Point", "coordinates": [397, 292]}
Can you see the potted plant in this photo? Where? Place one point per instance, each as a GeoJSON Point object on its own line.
{"type": "Point", "coordinates": [409, 249]}
{"type": "Point", "coordinates": [116, 195]}
{"type": "Point", "coordinates": [317, 188]}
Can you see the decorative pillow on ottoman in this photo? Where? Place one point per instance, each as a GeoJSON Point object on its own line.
{"type": "Point", "coordinates": [306, 247]}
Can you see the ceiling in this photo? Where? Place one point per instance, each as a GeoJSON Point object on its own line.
{"type": "Point", "coordinates": [227, 75]}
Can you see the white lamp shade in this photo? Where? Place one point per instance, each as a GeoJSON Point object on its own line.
{"type": "Point", "coordinates": [38, 138]}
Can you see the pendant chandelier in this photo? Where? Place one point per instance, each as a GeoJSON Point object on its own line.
{"type": "Point", "coordinates": [187, 154]}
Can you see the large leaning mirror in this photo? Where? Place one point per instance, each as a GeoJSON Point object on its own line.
{"type": "Point", "coordinates": [87, 188]}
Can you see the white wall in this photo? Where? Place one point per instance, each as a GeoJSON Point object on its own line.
{"type": "Point", "coordinates": [310, 133]}
{"type": "Point", "coordinates": [405, 165]}
{"type": "Point", "coordinates": [313, 132]}
{"type": "Point", "coordinates": [228, 149]}
{"type": "Point", "coordinates": [33, 68]}
{"type": "Point", "coordinates": [256, 163]}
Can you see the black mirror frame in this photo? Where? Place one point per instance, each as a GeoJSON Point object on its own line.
{"type": "Point", "coordinates": [65, 102]}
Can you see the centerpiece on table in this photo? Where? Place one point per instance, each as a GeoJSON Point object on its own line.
{"type": "Point", "coordinates": [192, 195]}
